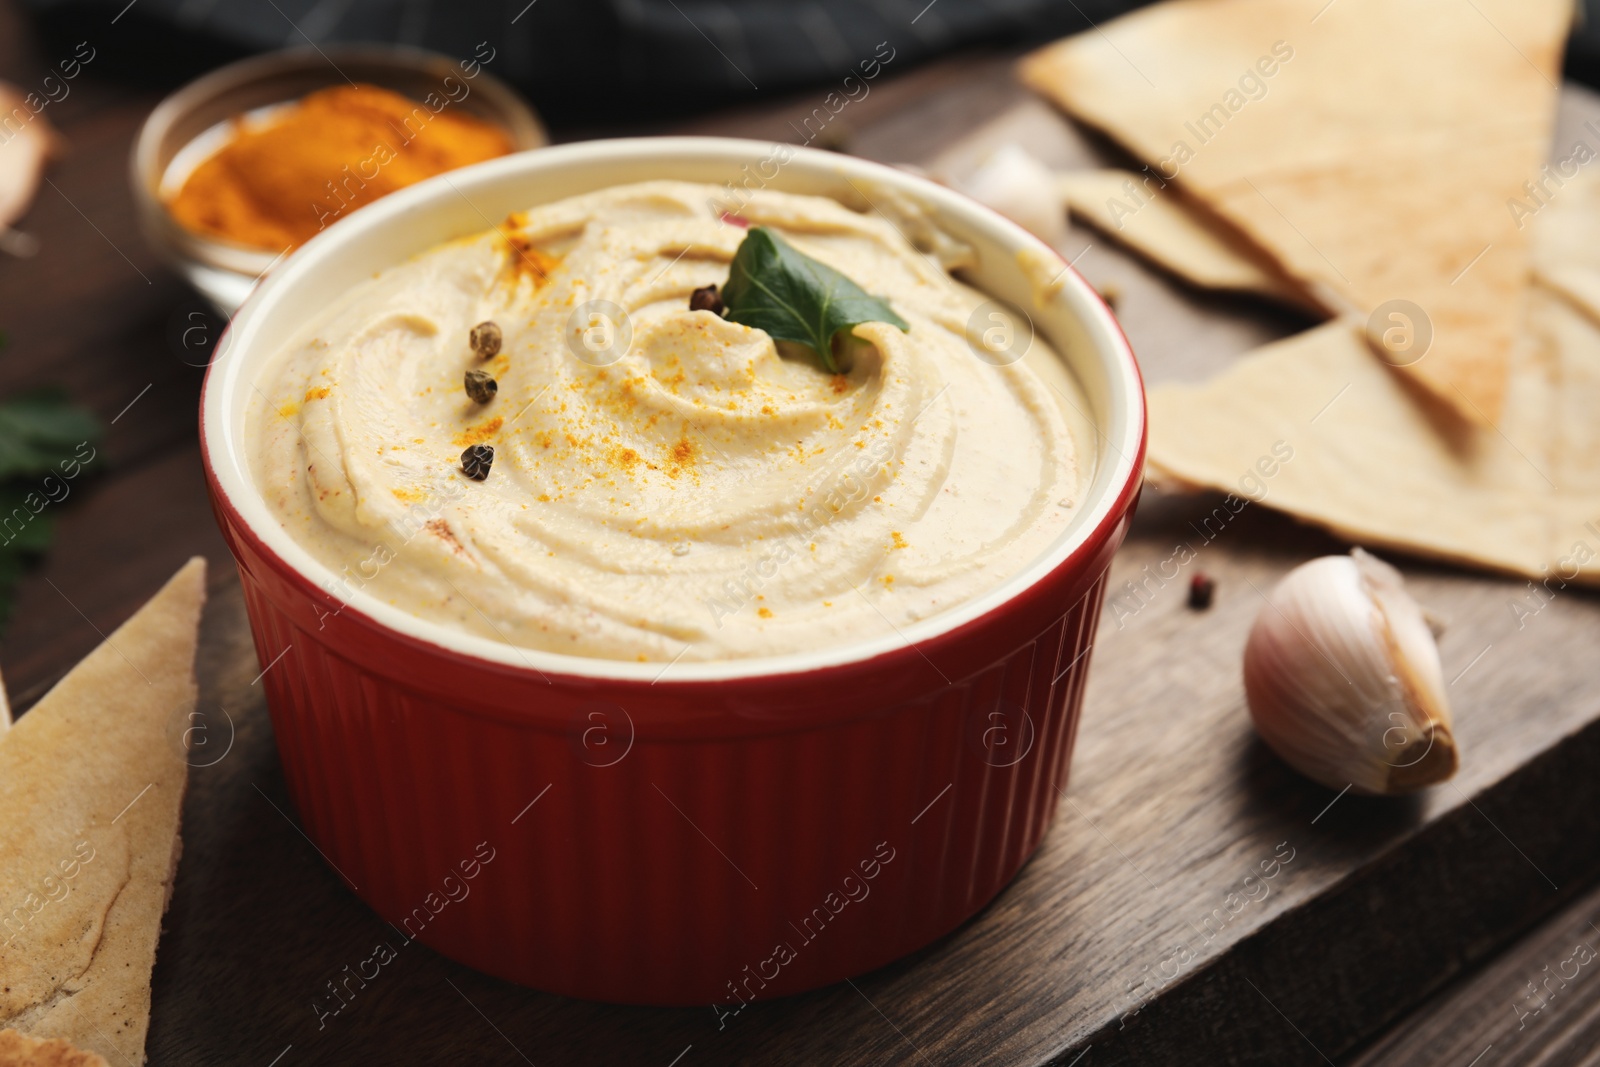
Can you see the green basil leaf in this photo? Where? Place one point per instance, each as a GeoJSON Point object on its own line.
{"type": "Point", "coordinates": [775, 287]}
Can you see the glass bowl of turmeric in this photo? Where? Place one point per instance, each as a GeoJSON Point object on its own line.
{"type": "Point", "coordinates": [243, 165]}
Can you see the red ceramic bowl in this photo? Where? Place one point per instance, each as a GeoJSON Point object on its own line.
{"type": "Point", "coordinates": [712, 832]}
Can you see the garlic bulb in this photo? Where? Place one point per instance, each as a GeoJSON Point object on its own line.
{"type": "Point", "coordinates": [1022, 189]}
{"type": "Point", "coordinates": [1344, 682]}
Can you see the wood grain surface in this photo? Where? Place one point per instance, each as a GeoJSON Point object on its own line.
{"type": "Point", "coordinates": [1132, 937]}
{"type": "Point", "coordinates": [1535, 1003]}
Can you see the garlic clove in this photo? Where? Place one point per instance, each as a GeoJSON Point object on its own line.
{"type": "Point", "coordinates": [1344, 682]}
{"type": "Point", "coordinates": [1021, 188]}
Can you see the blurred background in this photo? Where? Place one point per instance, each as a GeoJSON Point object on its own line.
{"type": "Point", "coordinates": [91, 310]}
{"type": "Point", "coordinates": [605, 64]}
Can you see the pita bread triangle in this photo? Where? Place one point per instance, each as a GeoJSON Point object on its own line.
{"type": "Point", "coordinates": [1373, 148]}
{"type": "Point", "coordinates": [1168, 234]}
{"type": "Point", "coordinates": [1314, 426]}
{"type": "Point", "coordinates": [20, 1050]}
{"type": "Point", "coordinates": [91, 790]}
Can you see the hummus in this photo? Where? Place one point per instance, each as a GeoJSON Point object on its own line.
{"type": "Point", "coordinates": [666, 484]}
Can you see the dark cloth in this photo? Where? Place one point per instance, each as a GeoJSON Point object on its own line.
{"type": "Point", "coordinates": [579, 61]}
{"type": "Point", "coordinates": [606, 61]}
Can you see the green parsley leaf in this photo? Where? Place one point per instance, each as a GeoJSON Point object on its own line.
{"type": "Point", "coordinates": [25, 525]}
{"type": "Point", "coordinates": [40, 437]}
{"type": "Point", "coordinates": [40, 430]}
{"type": "Point", "coordinates": [775, 287]}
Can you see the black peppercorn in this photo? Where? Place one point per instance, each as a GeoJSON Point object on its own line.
{"type": "Point", "coordinates": [706, 298]}
{"type": "Point", "coordinates": [476, 461]}
{"type": "Point", "coordinates": [480, 386]}
{"type": "Point", "coordinates": [485, 340]}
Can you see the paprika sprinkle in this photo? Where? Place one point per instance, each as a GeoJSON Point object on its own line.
{"type": "Point", "coordinates": [279, 181]}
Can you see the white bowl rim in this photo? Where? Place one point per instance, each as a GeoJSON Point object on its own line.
{"type": "Point", "coordinates": [226, 449]}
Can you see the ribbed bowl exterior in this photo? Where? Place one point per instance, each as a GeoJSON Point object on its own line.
{"type": "Point", "coordinates": [706, 836]}
{"type": "Point", "coordinates": [675, 843]}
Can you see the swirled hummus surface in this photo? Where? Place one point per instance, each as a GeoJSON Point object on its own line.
{"type": "Point", "coordinates": [666, 484]}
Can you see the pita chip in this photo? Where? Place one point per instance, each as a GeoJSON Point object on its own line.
{"type": "Point", "coordinates": [1371, 148]}
{"type": "Point", "coordinates": [1153, 223]}
{"type": "Point", "coordinates": [20, 1050]}
{"type": "Point", "coordinates": [1566, 247]}
{"type": "Point", "coordinates": [1317, 427]}
{"type": "Point", "coordinates": [1372, 461]}
{"type": "Point", "coordinates": [91, 789]}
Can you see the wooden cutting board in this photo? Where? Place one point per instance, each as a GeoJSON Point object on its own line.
{"type": "Point", "coordinates": [1146, 930]}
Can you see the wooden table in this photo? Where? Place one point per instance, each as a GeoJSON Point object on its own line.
{"type": "Point", "coordinates": [1396, 932]}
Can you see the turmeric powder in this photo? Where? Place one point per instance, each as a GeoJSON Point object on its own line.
{"type": "Point", "coordinates": [278, 182]}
